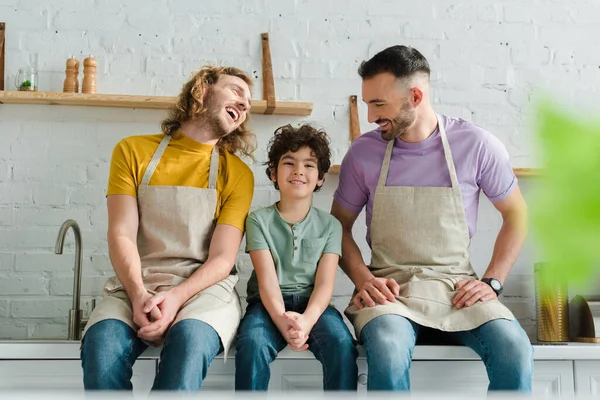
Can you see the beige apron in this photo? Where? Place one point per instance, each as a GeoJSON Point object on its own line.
{"type": "Point", "coordinates": [420, 238]}
{"type": "Point", "coordinates": [175, 228]}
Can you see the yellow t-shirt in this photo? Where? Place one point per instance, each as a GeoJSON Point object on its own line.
{"type": "Point", "coordinates": [185, 162]}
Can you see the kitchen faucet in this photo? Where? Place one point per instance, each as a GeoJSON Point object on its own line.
{"type": "Point", "coordinates": [76, 322]}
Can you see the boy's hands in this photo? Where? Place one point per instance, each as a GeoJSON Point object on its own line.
{"type": "Point", "coordinates": [294, 328]}
{"type": "Point", "coordinates": [286, 328]}
{"type": "Point", "coordinates": [299, 329]}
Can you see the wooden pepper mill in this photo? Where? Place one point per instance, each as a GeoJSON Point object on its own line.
{"type": "Point", "coordinates": [89, 75]}
{"type": "Point", "coordinates": [71, 84]}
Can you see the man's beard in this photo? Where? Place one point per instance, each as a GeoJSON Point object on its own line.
{"type": "Point", "coordinates": [400, 124]}
{"type": "Point", "coordinates": [215, 123]}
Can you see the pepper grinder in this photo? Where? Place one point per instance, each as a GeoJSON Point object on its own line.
{"type": "Point", "coordinates": [71, 84]}
{"type": "Point", "coordinates": [89, 75]}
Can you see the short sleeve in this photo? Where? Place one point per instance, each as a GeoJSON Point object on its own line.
{"type": "Point", "coordinates": [334, 240]}
{"type": "Point", "coordinates": [236, 206]}
{"type": "Point", "coordinates": [255, 236]}
{"type": "Point", "coordinates": [351, 193]}
{"type": "Point", "coordinates": [497, 179]}
{"type": "Point", "coordinates": [121, 177]}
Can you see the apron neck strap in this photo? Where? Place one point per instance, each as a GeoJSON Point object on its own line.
{"type": "Point", "coordinates": [385, 166]}
{"type": "Point", "coordinates": [448, 154]}
{"type": "Point", "coordinates": [155, 159]}
{"type": "Point", "coordinates": [212, 175]}
{"type": "Point", "coordinates": [214, 168]}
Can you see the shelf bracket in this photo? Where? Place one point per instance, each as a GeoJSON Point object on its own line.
{"type": "Point", "coordinates": [354, 124]}
{"type": "Point", "coordinates": [267, 72]}
{"type": "Point", "coordinates": [2, 52]}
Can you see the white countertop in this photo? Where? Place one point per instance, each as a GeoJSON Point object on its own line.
{"type": "Point", "coordinates": [66, 349]}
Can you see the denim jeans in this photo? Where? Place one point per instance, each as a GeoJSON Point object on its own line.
{"type": "Point", "coordinates": [259, 341]}
{"type": "Point", "coordinates": [110, 348]}
{"type": "Point", "coordinates": [503, 346]}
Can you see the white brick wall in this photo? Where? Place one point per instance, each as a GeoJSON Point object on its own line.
{"type": "Point", "coordinates": [488, 60]}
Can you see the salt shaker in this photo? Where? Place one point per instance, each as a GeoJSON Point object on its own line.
{"type": "Point", "coordinates": [89, 75]}
{"type": "Point", "coordinates": [71, 84]}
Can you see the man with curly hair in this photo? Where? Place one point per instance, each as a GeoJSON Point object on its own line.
{"type": "Point", "coordinates": [295, 250]}
{"type": "Point", "coordinates": [177, 202]}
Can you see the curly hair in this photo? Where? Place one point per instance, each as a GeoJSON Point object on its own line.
{"type": "Point", "coordinates": [287, 138]}
{"type": "Point", "coordinates": [190, 105]}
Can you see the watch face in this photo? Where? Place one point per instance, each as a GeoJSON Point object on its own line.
{"type": "Point", "coordinates": [495, 284]}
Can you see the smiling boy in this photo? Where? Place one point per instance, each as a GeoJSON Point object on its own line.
{"type": "Point", "coordinates": [295, 250]}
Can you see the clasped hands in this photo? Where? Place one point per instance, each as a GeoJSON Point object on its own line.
{"type": "Point", "coordinates": [154, 314]}
{"type": "Point", "coordinates": [294, 328]}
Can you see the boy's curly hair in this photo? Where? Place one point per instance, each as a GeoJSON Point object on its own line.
{"type": "Point", "coordinates": [287, 138]}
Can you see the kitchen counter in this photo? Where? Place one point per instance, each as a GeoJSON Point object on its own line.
{"type": "Point", "coordinates": [67, 349]}
{"type": "Point", "coordinates": [561, 370]}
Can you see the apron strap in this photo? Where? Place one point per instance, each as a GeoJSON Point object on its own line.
{"type": "Point", "coordinates": [385, 166]}
{"type": "Point", "coordinates": [214, 168]}
{"type": "Point", "coordinates": [448, 154]}
{"type": "Point", "coordinates": [155, 159]}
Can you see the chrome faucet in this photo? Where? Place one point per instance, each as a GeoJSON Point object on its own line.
{"type": "Point", "coordinates": [75, 314]}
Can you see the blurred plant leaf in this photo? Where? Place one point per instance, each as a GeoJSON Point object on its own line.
{"type": "Point", "coordinates": [566, 206]}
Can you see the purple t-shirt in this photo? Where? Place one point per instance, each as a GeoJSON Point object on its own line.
{"type": "Point", "coordinates": [480, 159]}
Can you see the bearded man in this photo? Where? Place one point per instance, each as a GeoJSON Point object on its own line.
{"type": "Point", "coordinates": [420, 175]}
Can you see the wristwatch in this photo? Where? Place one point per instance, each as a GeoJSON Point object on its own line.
{"type": "Point", "coordinates": [494, 284]}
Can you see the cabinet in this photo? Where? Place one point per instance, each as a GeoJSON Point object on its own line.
{"type": "Point", "coordinates": [551, 378]}
{"type": "Point", "coordinates": [554, 378]}
{"type": "Point", "coordinates": [63, 375]}
{"type": "Point", "coordinates": [296, 375]}
{"type": "Point", "coordinates": [449, 377]}
{"type": "Point", "coordinates": [587, 378]}
{"type": "Point", "coordinates": [220, 376]}
{"type": "Point", "coordinates": [286, 375]}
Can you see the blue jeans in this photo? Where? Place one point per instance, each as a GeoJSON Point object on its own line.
{"type": "Point", "coordinates": [110, 347]}
{"type": "Point", "coordinates": [259, 341]}
{"type": "Point", "coordinates": [503, 346]}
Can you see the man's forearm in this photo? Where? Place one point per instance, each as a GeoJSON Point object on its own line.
{"type": "Point", "coordinates": [214, 270]}
{"type": "Point", "coordinates": [508, 246]}
{"type": "Point", "coordinates": [352, 262]}
{"type": "Point", "coordinates": [126, 262]}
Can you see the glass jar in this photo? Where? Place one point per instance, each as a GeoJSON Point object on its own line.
{"type": "Point", "coordinates": [552, 305]}
{"type": "Point", "coordinates": [26, 80]}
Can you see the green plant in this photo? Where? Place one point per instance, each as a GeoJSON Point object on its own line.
{"type": "Point", "coordinates": [566, 206]}
{"type": "Point", "coordinates": [26, 86]}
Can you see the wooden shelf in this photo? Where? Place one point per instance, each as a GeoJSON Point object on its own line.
{"type": "Point", "coordinates": [519, 172]}
{"type": "Point", "coordinates": [527, 172]}
{"type": "Point", "coordinates": [132, 101]}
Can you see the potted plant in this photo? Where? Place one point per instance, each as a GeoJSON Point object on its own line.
{"type": "Point", "coordinates": [26, 86]}
{"type": "Point", "coordinates": [26, 80]}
